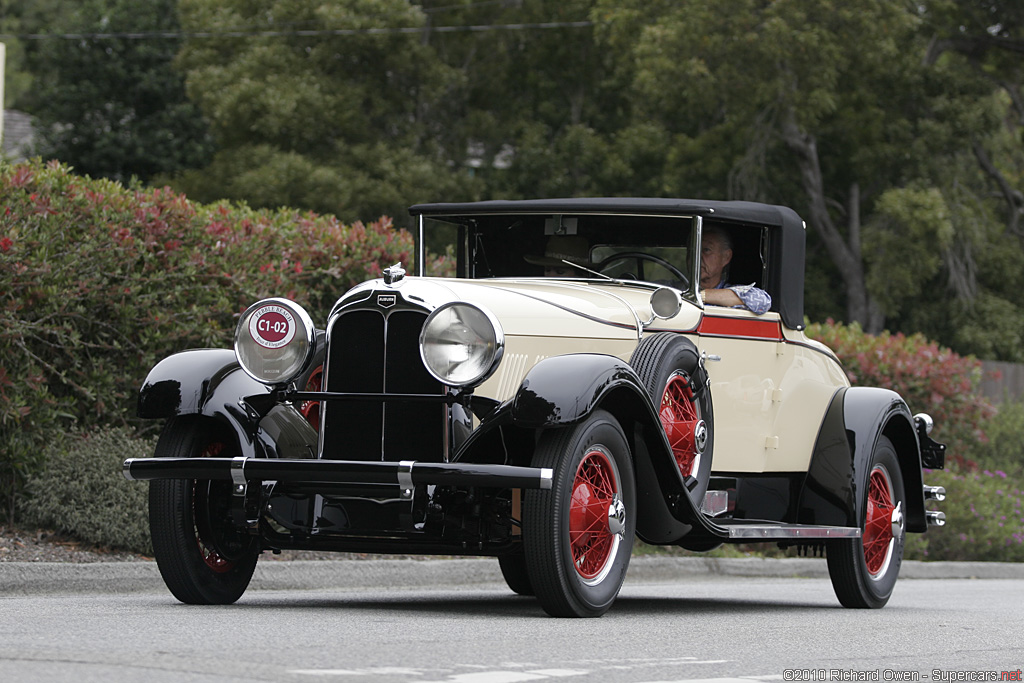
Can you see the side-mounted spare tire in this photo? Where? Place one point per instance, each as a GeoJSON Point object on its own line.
{"type": "Point", "coordinates": [669, 366]}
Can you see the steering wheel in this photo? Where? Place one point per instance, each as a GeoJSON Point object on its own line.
{"type": "Point", "coordinates": [641, 256]}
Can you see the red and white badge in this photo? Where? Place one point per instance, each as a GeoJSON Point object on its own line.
{"type": "Point", "coordinates": [272, 326]}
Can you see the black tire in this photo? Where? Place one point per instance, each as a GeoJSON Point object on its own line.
{"type": "Point", "coordinates": [669, 367]}
{"type": "Point", "coordinates": [864, 570]}
{"type": "Point", "coordinates": [578, 535]}
{"type": "Point", "coordinates": [203, 558]}
{"type": "Point", "coordinates": [513, 569]}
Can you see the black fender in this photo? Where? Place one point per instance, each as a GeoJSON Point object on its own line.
{"type": "Point", "coordinates": [836, 483]}
{"type": "Point", "coordinates": [562, 390]}
{"type": "Point", "coordinates": [211, 383]}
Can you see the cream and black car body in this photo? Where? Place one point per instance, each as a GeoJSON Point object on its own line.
{"type": "Point", "coordinates": [547, 422]}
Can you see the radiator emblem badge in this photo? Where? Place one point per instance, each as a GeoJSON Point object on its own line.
{"type": "Point", "coordinates": [386, 300]}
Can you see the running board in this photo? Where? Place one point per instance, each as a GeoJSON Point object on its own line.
{"type": "Point", "coordinates": [757, 530]}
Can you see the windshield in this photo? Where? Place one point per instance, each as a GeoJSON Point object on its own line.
{"type": "Point", "coordinates": [655, 249]}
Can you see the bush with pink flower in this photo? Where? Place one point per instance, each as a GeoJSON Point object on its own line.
{"type": "Point", "coordinates": [99, 281]}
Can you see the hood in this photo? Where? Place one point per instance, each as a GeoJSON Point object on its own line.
{"type": "Point", "coordinates": [546, 307]}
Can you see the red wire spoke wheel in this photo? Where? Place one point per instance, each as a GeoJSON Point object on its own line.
{"type": "Point", "coordinates": [311, 409]}
{"type": "Point", "coordinates": [670, 369]}
{"type": "Point", "coordinates": [577, 536]}
{"type": "Point", "coordinates": [878, 537]}
{"type": "Point", "coordinates": [864, 570]}
{"type": "Point", "coordinates": [680, 416]}
{"type": "Point", "coordinates": [594, 533]}
{"type": "Point", "coordinates": [202, 524]}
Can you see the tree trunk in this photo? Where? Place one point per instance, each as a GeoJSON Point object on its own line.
{"type": "Point", "coordinates": [845, 252]}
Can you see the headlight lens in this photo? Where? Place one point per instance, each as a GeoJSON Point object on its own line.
{"type": "Point", "coordinates": [461, 344]}
{"type": "Point", "coordinates": [274, 341]}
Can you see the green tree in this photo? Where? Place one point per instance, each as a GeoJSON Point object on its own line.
{"type": "Point", "coordinates": [344, 123]}
{"type": "Point", "coordinates": [113, 106]}
{"type": "Point", "coordinates": [822, 105]}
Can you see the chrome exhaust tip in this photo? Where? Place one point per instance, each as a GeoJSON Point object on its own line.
{"type": "Point", "coordinates": [935, 518]}
{"type": "Point", "coordinates": [934, 493]}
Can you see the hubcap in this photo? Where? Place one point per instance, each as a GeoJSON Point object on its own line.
{"type": "Point", "coordinates": [597, 516]}
{"type": "Point", "coordinates": [883, 524]}
{"type": "Point", "coordinates": [616, 517]}
{"type": "Point", "coordinates": [680, 416]}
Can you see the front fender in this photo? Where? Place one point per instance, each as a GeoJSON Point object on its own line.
{"type": "Point", "coordinates": [206, 382]}
{"type": "Point", "coordinates": [565, 389]}
{"type": "Point", "coordinates": [836, 483]}
{"type": "Point", "coordinates": [562, 390]}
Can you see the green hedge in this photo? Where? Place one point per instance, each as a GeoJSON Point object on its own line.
{"type": "Point", "coordinates": [931, 379]}
{"type": "Point", "coordinates": [99, 281]}
{"type": "Point", "coordinates": [79, 490]}
{"type": "Point", "coordinates": [985, 456]}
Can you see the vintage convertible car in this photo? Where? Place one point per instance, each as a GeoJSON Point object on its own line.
{"type": "Point", "coordinates": [547, 422]}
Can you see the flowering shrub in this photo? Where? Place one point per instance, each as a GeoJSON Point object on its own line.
{"type": "Point", "coordinates": [983, 503]}
{"type": "Point", "coordinates": [930, 378]}
{"type": "Point", "coordinates": [984, 519]}
{"type": "Point", "coordinates": [99, 281]}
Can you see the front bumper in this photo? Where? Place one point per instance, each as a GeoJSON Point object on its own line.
{"type": "Point", "coordinates": [405, 474]}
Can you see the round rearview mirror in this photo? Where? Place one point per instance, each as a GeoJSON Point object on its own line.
{"type": "Point", "coordinates": [666, 302]}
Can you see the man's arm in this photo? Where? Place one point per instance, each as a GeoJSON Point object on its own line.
{"type": "Point", "coordinates": [753, 299]}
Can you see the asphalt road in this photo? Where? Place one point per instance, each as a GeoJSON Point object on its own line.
{"type": "Point", "coordinates": [379, 622]}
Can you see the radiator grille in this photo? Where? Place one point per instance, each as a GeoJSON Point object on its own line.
{"type": "Point", "coordinates": [371, 353]}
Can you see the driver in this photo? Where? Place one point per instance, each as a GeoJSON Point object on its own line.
{"type": "Point", "coordinates": [715, 256]}
{"type": "Point", "coordinates": [558, 250]}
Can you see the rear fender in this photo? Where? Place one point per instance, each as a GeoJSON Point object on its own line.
{"type": "Point", "coordinates": [836, 483]}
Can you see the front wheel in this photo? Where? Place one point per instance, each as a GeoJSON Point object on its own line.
{"type": "Point", "coordinates": [513, 570]}
{"type": "Point", "coordinates": [864, 570]}
{"type": "Point", "coordinates": [203, 557]}
{"type": "Point", "coordinates": [579, 534]}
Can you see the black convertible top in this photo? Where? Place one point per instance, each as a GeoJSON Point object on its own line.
{"type": "Point", "coordinates": [744, 212]}
{"type": "Point", "coordinates": [786, 267]}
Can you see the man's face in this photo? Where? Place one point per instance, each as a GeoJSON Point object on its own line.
{"type": "Point", "coordinates": [714, 257]}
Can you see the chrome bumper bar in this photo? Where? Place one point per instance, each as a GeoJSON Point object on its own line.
{"type": "Point", "coordinates": [404, 474]}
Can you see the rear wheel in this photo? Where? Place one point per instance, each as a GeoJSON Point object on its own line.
{"type": "Point", "coordinates": [864, 570]}
{"type": "Point", "coordinates": [203, 557]}
{"type": "Point", "coordinates": [579, 534]}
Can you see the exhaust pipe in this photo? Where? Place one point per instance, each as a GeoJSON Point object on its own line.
{"type": "Point", "coordinates": [935, 518]}
{"type": "Point", "coordinates": [934, 493]}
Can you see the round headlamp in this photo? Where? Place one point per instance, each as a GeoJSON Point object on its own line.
{"type": "Point", "coordinates": [461, 344]}
{"type": "Point", "coordinates": [274, 341]}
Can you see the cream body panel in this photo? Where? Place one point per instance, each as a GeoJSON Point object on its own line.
{"type": "Point", "coordinates": [560, 308]}
{"type": "Point", "coordinates": [522, 353]}
{"type": "Point", "coordinates": [545, 317]}
{"type": "Point", "coordinates": [770, 398]}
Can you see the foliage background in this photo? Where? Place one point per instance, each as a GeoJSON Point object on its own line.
{"type": "Point", "coordinates": [98, 282]}
{"type": "Point", "coordinates": [894, 128]}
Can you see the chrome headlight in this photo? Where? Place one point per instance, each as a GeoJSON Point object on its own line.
{"type": "Point", "coordinates": [274, 341]}
{"type": "Point", "coordinates": [461, 344]}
